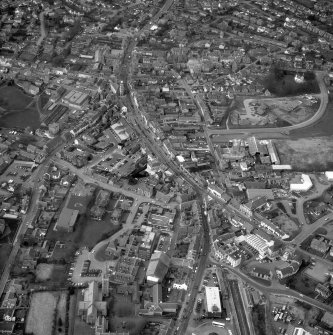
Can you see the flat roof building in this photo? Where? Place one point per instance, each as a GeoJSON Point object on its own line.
{"type": "Point", "coordinates": [67, 220]}
{"type": "Point", "coordinates": [213, 302]}
{"type": "Point", "coordinates": [158, 267]}
{"type": "Point", "coordinates": [301, 184]}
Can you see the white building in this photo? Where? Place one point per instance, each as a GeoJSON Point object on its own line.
{"type": "Point", "coordinates": [302, 184]}
{"type": "Point", "coordinates": [234, 259]}
{"type": "Point", "coordinates": [257, 243]}
{"type": "Point", "coordinates": [329, 175]}
{"type": "Point", "coordinates": [213, 301]}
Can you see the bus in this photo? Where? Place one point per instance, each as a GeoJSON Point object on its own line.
{"type": "Point", "coordinates": [218, 324]}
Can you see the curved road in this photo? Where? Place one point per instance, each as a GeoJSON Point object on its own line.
{"type": "Point", "coordinates": [320, 112]}
{"type": "Point", "coordinates": [275, 290]}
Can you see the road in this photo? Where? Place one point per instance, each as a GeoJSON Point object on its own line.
{"type": "Point", "coordinates": [26, 220]}
{"type": "Point", "coordinates": [283, 291]}
{"type": "Point", "coordinates": [319, 189]}
{"type": "Point", "coordinates": [87, 179]}
{"type": "Point", "coordinates": [307, 230]}
{"type": "Point", "coordinates": [138, 123]}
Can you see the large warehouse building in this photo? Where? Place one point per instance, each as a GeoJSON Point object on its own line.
{"type": "Point", "coordinates": [213, 302]}
{"type": "Point", "coordinates": [301, 184]}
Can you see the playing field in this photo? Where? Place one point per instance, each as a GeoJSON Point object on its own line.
{"type": "Point", "coordinates": [41, 313]}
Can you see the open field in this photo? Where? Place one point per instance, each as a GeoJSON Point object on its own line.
{"type": "Point", "coordinates": [13, 98]}
{"type": "Point", "coordinates": [41, 313]}
{"type": "Point", "coordinates": [44, 271]}
{"type": "Point", "coordinates": [19, 111]}
{"type": "Point", "coordinates": [52, 273]}
{"type": "Point", "coordinates": [307, 154]}
{"type": "Point", "coordinates": [286, 223]}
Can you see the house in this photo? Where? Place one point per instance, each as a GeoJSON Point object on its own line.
{"type": "Point", "coordinates": [319, 245]}
{"type": "Point", "coordinates": [255, 204]}
{"type": "Point", "coordinates": [154, 305]}
{"type": "Point", "coordinates": [323, 290]}
{"type": "Point", "coordinates": [262, 273]}
{"type": "Point", "coordinates": [288, 270]}
{"type": "Point", "coordinates": [91, 307]}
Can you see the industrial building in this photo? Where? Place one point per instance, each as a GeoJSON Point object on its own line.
{"type": "Point", "coordinates": [301, 183]}
{"type": "Point", "coordinates": [329, 175]}
{"type": "Point", "coordinates": [75, 99]}
{"type": "Point", "coordinates": [213, 302]}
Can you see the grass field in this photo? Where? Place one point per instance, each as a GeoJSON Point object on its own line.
{"type": "Point", "coordinates": [12, 98]}
{"type": "Point", "coordinates": [307, 154]}
{"type": "Point", "coordinates": [52, 273]}
{"type": "Point", "coordinates": [44, 271]}
{"type": "Point", "coordinates": [46, 309]}
{"type": "Point", "coordinates": [41, 313]}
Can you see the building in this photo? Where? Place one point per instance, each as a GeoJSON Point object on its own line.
{"type": "Point", "coordinates": [66, 220]}
{"type": "Point", "coordinates": [155, 305]}
{"type": "Point", "coordinates": [294, 330]}
{"type": "Point", "coordinates": [218, 192]}
{"type": "Point", "coordinates": [213, 302]}
{"type": "Point", "coordinates": [234, 258]}
{"type": "Point", "coordinates": [301, 183]}
{"type": "Point", "coordinates": [261, 273]}
{"type": "Point", "coordinates": [255, 204]}
{"type": "Point", "coordinates": [288, 269]}
{"type": "Point", "coordinates": [329, 175]}
{"type": "Point", "coordinates": [91, 307]}
{"type": "Point", "coordinates": [258, 244]}
{"type": "Point", "coordinates": [75, 99]}
{"type": "Point", "coordinates": [327, 319]}
{"type": "Point", "coordinates": [147, 243]}
{"type": "Point", "coordinates": [253, 193]}
{"type": "Point", "coordinates": [157, 267]}
{"type": "Point", "coordinates": [323, 290]}
{"type": "Point", "coordinates": [319, 245]}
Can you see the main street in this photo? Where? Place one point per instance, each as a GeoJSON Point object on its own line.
{"type": "Point", "coordinates": [135, 117]}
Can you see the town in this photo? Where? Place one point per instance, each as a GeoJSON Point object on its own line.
{"type": "Point", "coordinates": [166, 167]}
